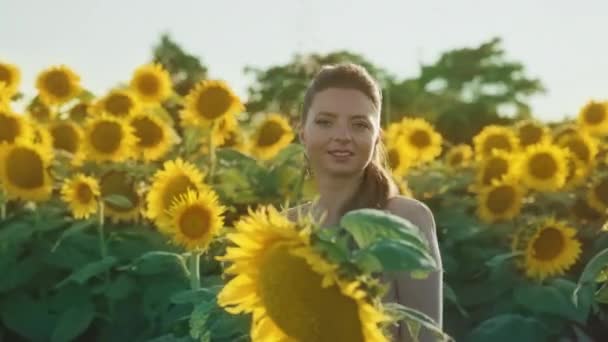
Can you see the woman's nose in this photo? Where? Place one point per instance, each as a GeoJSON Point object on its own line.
{"type": "Point", "coordinates": [342, 133]}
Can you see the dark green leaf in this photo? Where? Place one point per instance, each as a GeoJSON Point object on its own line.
{"type": "Point", "coordinates": [508, 328]}
{"type": "Point", "coordinates": [590, 273]}
{"type": "Point", "coordinates": [198, 320]}
{"type": "Point", "coordinates": [73, 322]}
{"type": "Point", "coordinates": [500, 258]}
{"type": "Point", "coordinates": [157, 294]}
{"type": "Point", "coordinates": [193, 296]}
{"type": "Point", "coordinates": [119, 201]}
{"type": "Point", "coordinates": [93, 269]}
{"type": "Point", "coordinates": [19, 273]}
{"type": "Point", "coordinates": [77, 227]}
{"type": "Point", "coordinates": [26, 317]}
{"type": "Point", "coordinates": [121, 287]}
{"type": "Point", "coordinates": [157, 262]}
{"type": "Point", "coordinates": [553, 299]}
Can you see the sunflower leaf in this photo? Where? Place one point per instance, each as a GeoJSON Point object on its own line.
{"type": "Point", "coordinates": [590, 273]}
{"type": "Point", "coordinates": [507, 328]}
{"type": "Point", "coordinates": [89, 271]}
{"type": "Point", "coordinates": [410, 315]}
{"type": "Point", "coordinates": [73, 322]}
{"type": "Point", "coordinates": [192, 296]}
{"type": "Point", "coordinates": [118, 201]}
{"type": "Point", "coordinates": [396, 255]}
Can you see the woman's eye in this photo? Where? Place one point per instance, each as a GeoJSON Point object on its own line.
{"type": "Point", "coordinates": [361, 125]}
{"type": "Point", "coordinates": [323, 122]}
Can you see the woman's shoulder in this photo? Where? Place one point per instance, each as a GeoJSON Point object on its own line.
{"type": "Point", "coordinates": [414, 211]}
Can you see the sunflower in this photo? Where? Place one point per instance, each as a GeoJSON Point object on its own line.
{"type": "Point", "coordinates": [108, 139]}
{"type": "Point", "coordinates": [24, 171]}
{"type": "Point", "coordinates": [13, 127]}
{"type": "Point", "coordinates": [459, 156]}
{"type": "Point", "coordinates": [10, 77]}
{"type": "Point", "coordinates": [67, 136]}
{"type": "Point", "coordinates": [293, 293]}
{"type": "Point", "coordinates": [119, 183]}
{"type": "Point", "coordinates": [494, 137]}
{"type": "Point", "coordinates": [270, 136]}
{"type": "Point", "coordinates": [593, 117]}
{"type": "Point", "coordinates": [582, 146]}
{"type": "Point", "coordinates": [532, 132]}
{"type": "Point", "coordinates": [169, 185]}
{"type": "Point", "coordinates": [57, 85]}
{"type": "Point", "coordinates": [550, 248]}
{"type": "Point", "coordinates": [209, 100]}
{"type": "Point", "coordinates": [500, 201]}
{"type": "Point", "coordinates": [398, 159]}
{"type": "Point", "coordinates": [499, 165]}
{"type": "Point", "coordinates": [421, 139]}
{"type": "Point", "coordinates": [40, 112]}
{"type": "Point", "coordinates": [196, 217]}
{"type": "Point", "coordinates": [5, 97]}
{"type": "Point", "coordinates": [153, 134]}
{"type": "Point", "coordinates": [120, 103]}
{"type": "Point", "coordinates": [597, 197]}
{"type": "Point", "coordinates": [564, 130]}
{"type": "Point", "coordinates": [151, 83]}
{"type": "Point", "coordinates": [223, 129]}
{"type": "Point", "coordinates": [42, 137]}
{"type": "Point", "coordinates": [80, 193]}
{"type": "Point", "coordinates": [544, 167]}
{"type": "Point", "coordinates": [80, 112]}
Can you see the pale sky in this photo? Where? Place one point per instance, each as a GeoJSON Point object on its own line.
{"type": "Point", "coordinates": [562, 42]}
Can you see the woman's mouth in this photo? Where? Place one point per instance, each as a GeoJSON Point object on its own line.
{"type": "Point", "coordinates": [341, 154]}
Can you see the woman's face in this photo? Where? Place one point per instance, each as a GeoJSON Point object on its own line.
{"type": "Point", "coordinates": [340, 132]}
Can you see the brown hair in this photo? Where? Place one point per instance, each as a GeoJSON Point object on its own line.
{"type": "Point", "coordinates": [377, 186]}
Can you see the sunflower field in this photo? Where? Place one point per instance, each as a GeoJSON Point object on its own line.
{"type": "Point", "coordinates": [145, 215]}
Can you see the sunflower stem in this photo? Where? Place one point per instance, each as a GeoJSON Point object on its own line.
{"type": "Point", "coordinates": [102, 240]}
{"type": "Point", "coordinates": [195, 276]}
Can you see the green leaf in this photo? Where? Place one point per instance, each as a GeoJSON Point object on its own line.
{"type": "Point", "coordinates": [500, 258]}
{"type": "Point", "coordinates": [77, 227]}
{"type": "Point", "coordinates": [553, 299]}
{"type": "Point", "coordinates": [93, 269]}
{"type": "Point", "coordinates": [27, 318]}
{"type": "Point", "coordinates": [592, 270]}
{"type": "Point", "coordinates": [15, 233]}
{"type": "Point", "coordinates": [508, 328]}
{"type": "Point", "coordinates": [73, 322]}
{"type": "Point", "coordinates": [119, 201]}
{"type": "Point", "coordinates": [156, 262]}
{"type": "Point", "coordinates": [157, 294]}
{"type": "Point", "coordinates": [193, 296]}
{"type": "Point", "coordinates": [369, 225]}
{"type": "Point", "coordinates": [19, 273]}
{"type": "Point", "coordinates": [198, 320]}
{"type": "Point", "coordinates": [398, 255]}
{"type": "Point", "coordinates": [121, 287]}
{"type": "Point", "coordinates": [401, 312]}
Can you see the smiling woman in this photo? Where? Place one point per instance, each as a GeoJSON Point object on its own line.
{"type": "Point", "coordinates": [340, 130]}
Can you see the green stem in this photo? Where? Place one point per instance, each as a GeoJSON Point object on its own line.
{"type": "Point", "coordinates": [100, 230]}
{"type": "Point", "coordinates": [195, 276]}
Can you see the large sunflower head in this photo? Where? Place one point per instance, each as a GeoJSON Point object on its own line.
{"type": "Point", "coordinates": [13, 127]}
{"type": "Point", "coordinates": [24, 171]}
{"type": "Point", "coordinates": [57, 85]}
{"type": "Point", "coordinates": [154, 136]}
{"type": "Point", "coordinates": [81, 194]}
{"type": "Point", "coordinates": [499, 165]}
{"type": "Point", "coordinates": [398, 159]}
{"type": "Point", "coordinates": [550, 248]}
{"type": "Point", "coordinates": [10, 77]}
{"type": "Point", "coordinates": [40, 112]}
{"type": "Point", "coordinates": [459, 156]}
{"type": "Point", "coordinates": [495, 137]}
{"type": "Point", "coordinates": [68, 136]}
{"type": "Point", "coordinates": [151, 83]}
{"type": "Point", "coordinates": [271, 135]}
{"type": "Point", "coordinates": [293, 293]}
{"type": "Point", "coordinates": [196, 218]}
{"type": "Point", "coordinates": [544, 167]}
{"type": "Point", "coordinates": [208, 101]}
{"type": "Point", "coordinates": [120, 103]}
{"type": "Point", "coordinates": [421, 139]}
{"type": "Point", "coordinates": [121, 184]}
{"type": "Point", "coordinates": [532, 132]}
{"type": "Point", "coordinates": [593, 117]}
{"type": "Point", "coordinates": [108, 138]}
{"type": "Point", "coordinates": [582, 146]}
{"type": "Point", "coordinates": [169, 184]}
{"type": "Point", "coordinates": [597, 195]}
{"type": "Point", "coordinates": [500, 201]}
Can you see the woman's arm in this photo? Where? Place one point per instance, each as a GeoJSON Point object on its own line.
{"type": "Point", "coordinates": [425, 295]}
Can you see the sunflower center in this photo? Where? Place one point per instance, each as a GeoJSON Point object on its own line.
{"type": "Point", "coordinates": [501, 198]}
{"type": "Point", "coordinates": [542, 165]}
{"type": "Point", "coordinates": [595, 114]}
{"type": "Point", "coordinates": [393, 158]}
{"type": "Point", "coordinates": [299, 306]}
{"type": "Point", "coordinates": [496, 141]}
{"type": "Point", "coordinates": [213, 103]}
{"type": "Point", "coordinates": [601, 191]}
{"type": "Point", "coordinates": [494, 169]}
{"type": "Point", "coordinates": [194, 222]}
{"type": "Point", "coordinates": [580, 149]}
{"type": "Point", "coordinates": [119, 104]}
{"type": "Point", "coordinates": [9, 128]}
{"type": "Point", "coordinates": [117, 183]}
{"type": "Point", "coordinates": [176, 187]}
{"type": "Point", "coordinates": [65, 138]}
{"type": "Point", "coordinates": [148, 132]}
{"type": "Point", "coordinates": [530, 134]}
{"type": "Point", "coordinates": [106, 136]}
{"type": "Point", "coordinates": [549, 244]}
{"type": "Point", "coordinates": [270, 133]}
{"type": "Point", "coordinates": [420, 139]}
{"type": "Point", "coordinates": [58, 83]}
{"type": "Point", "coordinates": [25, 168]}
{"type": "Point", "coordinates": [5, 75]}
{"type": "Point", "coordinates": [148, 84]}
{"type": "Point", "coordinates": [84, 193]}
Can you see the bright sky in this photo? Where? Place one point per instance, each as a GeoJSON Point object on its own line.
{"type": "Point", "coordinates": [562, 42]}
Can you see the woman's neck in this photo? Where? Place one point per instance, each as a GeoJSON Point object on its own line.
{"type": "Point", "coordinates": [334, 192]}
